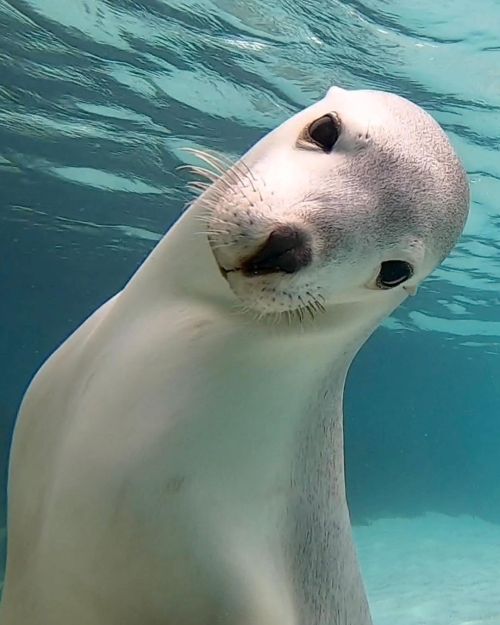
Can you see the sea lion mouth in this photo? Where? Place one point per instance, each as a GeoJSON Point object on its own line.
{"type": "Point", "coordinates": [251, 272]}
{"type": "Point", "coordinates": [225, 272]}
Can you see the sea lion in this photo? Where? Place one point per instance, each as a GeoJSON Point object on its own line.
{"type": "Point", "coordinates": [179, 459]}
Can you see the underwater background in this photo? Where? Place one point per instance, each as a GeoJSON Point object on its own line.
{"type": "Point", "coordinates": [97, 98]}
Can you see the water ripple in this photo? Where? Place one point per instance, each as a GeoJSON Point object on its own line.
{"type": "Point", "coordinates": [98, 97]}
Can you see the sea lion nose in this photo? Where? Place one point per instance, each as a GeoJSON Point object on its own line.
{"type": "Point", "coordinates": [286, 250]}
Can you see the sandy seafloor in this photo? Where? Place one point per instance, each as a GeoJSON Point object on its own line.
{"type": "Point", "coordinates": [431, 570]}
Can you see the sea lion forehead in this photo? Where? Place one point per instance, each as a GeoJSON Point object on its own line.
{"type": "Point", "coordinates": [366, 118]}
{"type": "Point", "coordinates": [393, 122]}
{"type": "Point", "coordinates": [373, 104]}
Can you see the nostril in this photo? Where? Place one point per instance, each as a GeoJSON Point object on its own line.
{"type": "Point", "coordinates": [286, 250]}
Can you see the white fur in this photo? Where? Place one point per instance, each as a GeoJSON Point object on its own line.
{"type": "Point", "coordinates": [179, 461]}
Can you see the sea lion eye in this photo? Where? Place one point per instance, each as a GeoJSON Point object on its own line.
{"type": "Point", "coordinates": [392, 273]}
{"type": "Point", "coordinates": [324, 131]}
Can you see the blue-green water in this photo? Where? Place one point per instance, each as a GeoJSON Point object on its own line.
{"type": "Point", "coordinates": [96, 100]}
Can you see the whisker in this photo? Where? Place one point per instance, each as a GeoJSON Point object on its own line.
{"type": "Point", "coordinates": [228, 170]}
{"type": "Point", "coordinates": [212, 232]}
{"type": "Point", "coordinates": [242, 163]}
{"type": "Point", "coordinates": [222, 245]}
{"type": "Point", "coordinates": [200, 171]}
{"type": "Point", "coordinates": [315, 302]}
{"type": "Point", "coordinates": [210, 219]}
{"type": "Point", "coordinates": [305, 306]}
{"type": "Point", "coordinates": [321, 307]}
{"type": "Point", "coordinates": [198, 185]}
{"type": "Point", "coordinates": [226, 183]}
{"type": "Point", "coordinates": [221, 161]}
{"type": "Point", "coordinates": [210, 159]}
{"type": "Point", "coordinates": [224, 160]}
{"type": "Point", "coordinates": [251, 177]}
{"type": "Point", "coordinates": [237, 174]}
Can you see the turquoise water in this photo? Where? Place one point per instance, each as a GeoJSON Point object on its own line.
{"type": "Point", "coordinates": [96, 101]}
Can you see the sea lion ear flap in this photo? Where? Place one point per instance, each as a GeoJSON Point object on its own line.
{"type": "Point", "coordinates": [411, 290]}
{"type": "Point", "coordinates": [333, 91]}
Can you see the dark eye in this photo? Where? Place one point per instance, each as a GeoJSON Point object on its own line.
{"type": "Point", "coordinates": [325, 131]}
{"type": "Point", "coordinates": [392, 273]}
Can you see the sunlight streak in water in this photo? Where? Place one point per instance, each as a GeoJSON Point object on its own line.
{"type": "Point", "coordinates": [113, 81]}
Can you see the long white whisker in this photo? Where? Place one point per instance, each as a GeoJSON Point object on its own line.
{"type": "Point", "coordinates": [221, 162]}
{"type": "Point", "coordinates": [209, 159]}
{"type": "Point", "coordinates": [250, 176]}
{"type": "Point", "coordinates": [198, 185]}
{"type": "Point", "coordinates": [201, 171]}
